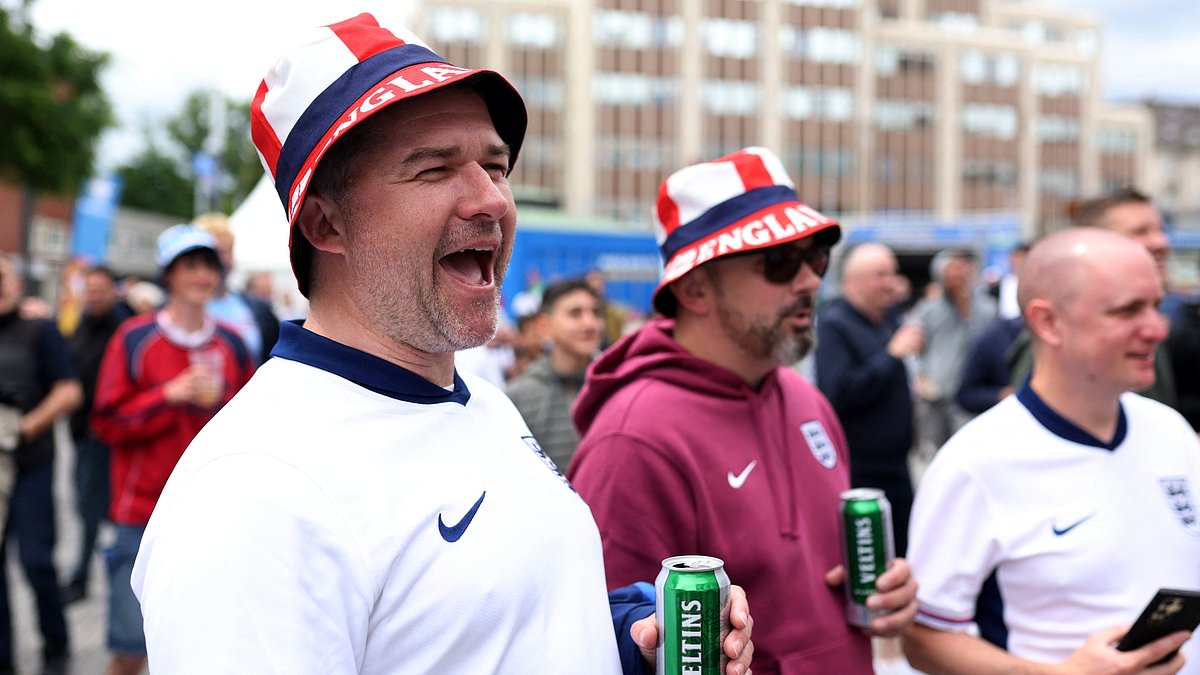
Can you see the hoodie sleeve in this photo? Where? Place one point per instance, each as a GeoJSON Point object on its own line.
{"type": "Point", "coordinates": [641, 503]}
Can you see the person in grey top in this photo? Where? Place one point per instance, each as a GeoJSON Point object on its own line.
{"type": "Point", "coordinates": [950, 324]}
{"type": "Point", "coordinates": [571, 320]}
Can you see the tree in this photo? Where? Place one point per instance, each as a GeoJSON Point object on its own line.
{"type": "Point", "coordinates": [152, 181]}
{"type": "Point", "coordinates": [53, 108]}
{"type": "Point", "coordinates": [160, 178]}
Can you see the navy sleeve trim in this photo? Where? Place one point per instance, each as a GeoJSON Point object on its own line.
{"type": "Point", "coordinates": [136, 341]}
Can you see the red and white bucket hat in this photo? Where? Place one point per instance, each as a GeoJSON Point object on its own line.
{"type": "Point", "coordinates": [341, 75]}
{"type": "Point", "coordinates": [740, 202]}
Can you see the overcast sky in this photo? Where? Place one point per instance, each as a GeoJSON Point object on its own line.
{"type": "Point", "coordinates": [162, 49]}
{"type": "Point", "coordinates": [1150, 47]}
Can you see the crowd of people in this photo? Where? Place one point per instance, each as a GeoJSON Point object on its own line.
{"type": "Point", "coordinates": [384, 487]}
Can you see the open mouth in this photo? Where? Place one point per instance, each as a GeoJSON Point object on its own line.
{"type": "Point", "coordinates": [473, 266]}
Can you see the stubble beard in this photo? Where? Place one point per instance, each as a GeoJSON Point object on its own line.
{"type": "Point", "coordinates": [766, 339]}
{"type": "Point", "coordinates": [417, 311]}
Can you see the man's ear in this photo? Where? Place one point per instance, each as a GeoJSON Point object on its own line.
{"type": "Point", "coordinates": [322, 224]}
{"type": "Point", "coordinates": [1044, 322]}
{"type": "Point", "coordinates": [694, 291]}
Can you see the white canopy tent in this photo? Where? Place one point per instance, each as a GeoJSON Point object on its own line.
{"type": "Point", "coordinates": [260, 231]}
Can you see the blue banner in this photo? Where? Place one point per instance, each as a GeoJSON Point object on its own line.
{"type": "Point", "coordinates": [94, 211]}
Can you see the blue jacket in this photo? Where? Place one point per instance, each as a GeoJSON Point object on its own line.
{"type": "Point", "coordinates": [867, 386]}
{"type": "Point", "coordinates": [986, 372]}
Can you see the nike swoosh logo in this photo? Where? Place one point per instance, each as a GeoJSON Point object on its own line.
{"type": "Point", "coordinates": [1060, 531]}
{"type": "Point", "coordinates": [737, 481]}
{"type": "Point", "coordinates": [453, 533]}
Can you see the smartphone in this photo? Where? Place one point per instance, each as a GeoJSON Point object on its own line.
{"type": "Point", "coordinates": [1171, 610]}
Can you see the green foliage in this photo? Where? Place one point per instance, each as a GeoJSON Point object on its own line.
{"type": "Point", "coordinates": [52, 106]}
{"type": "Point", "coordinates": [160, 177]}
{"type": "Point", "coordinates": [153, 182]}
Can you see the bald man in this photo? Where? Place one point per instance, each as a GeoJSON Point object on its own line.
{"type": "Point", "coordinates": [860, 369]}
{"type": "Point", "coordinates": [1050, 520]}
{"type": "Point", "coordinates": [1131, 214]}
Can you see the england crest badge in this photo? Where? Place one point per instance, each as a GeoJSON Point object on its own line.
{"type": "Point", "coordinates": [818, 441]}
{"type": "Point", "coordinates": [1179, 497]}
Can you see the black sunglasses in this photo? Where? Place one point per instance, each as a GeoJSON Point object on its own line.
{"type": "Point", "coordinates": [782, 263]}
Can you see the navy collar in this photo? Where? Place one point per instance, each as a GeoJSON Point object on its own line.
{"type": "Point", "coordinates": [1065, 428]}
{"type": "Point", "coordinates": [297, 343]}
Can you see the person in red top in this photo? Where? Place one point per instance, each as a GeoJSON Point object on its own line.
{"type": "Point", "coordinates": [163, 377]}
{"type": "Point", "coordinates": [698, 421]}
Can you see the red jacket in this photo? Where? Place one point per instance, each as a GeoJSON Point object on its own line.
{"type": "Point", "coordinates": [681, 456]}
{"type": "Point", "coordinates": [147, 435]}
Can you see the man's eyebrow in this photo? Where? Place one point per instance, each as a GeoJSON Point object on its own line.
{"type": "Point", "coordinates": [423, 154]}
{"type": "Point", "coordinates": [1128, 304]}
{"type": "Point", "coordinates": [448, 152]}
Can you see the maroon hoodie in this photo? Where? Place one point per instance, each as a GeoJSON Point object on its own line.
{"type": "Point", "coordinates": [681, 456]}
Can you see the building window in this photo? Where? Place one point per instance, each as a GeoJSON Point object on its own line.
{"type": "Point", "coordinates": [973, 67]}
{"type": "Point", "coordinates": [997, 173]}
{"type": "Point", "coordinates": [1034, 32]}
{"type": "Point", "coordinates": [1006, 69]}
{"type": "Point", "coordinates": [729, 38]}
{"type": "Point", "coordinates": [834, 162]}
{"type": "Point", "coordinates": [1061, 182]}
{"type": "Point", "coordinates": [996, 121]}
{"type": "Point", "coordinates": [539, 31]}
{"type": "Point", "coordinates": [822, 45]}
{"type": "Point", "coordinates": [1056, 79]}
{"type": "Point", "coordinates": [828, 103]}
{"type": "Point", "coordinates": [632, 89]}
{"type": "Point", "coordinates": [542, 151]}
{"type": "Point", "coordinates": [730, 97]}
{"type": "Point", "coordinates": [892, 61]}
{"type": "Point", "coordinates": [540, 92]}
{"type": "Point", "coordinates": [633, 153]}
{"type": "Point", "coordinates": [636, 30]}
{"type": "Point", "coordinates": [1117, 141]}
{"type": "Point", "coordinates": [976, 67]}
{"type": "Point", "coordinates": [903, 114]}
{"type": "Point", "coordinates": [455, 24]}
{"type": "Point", "coordinates": [1057, 129]}
{"type": "Point", "coordinates": [1111, 184]}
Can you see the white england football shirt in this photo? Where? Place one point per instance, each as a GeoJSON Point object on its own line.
{"type": "Point", "coordinates": [342, 515]}
{"type": "Point", "coordinates": [1079, 533]}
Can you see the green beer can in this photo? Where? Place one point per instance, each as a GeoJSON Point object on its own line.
{"type": "Point", "coordinates": [693, 615]}
{"type": "Point", "coordinates": [868, 544]}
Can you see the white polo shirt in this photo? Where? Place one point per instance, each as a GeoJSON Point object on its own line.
{"type": "Point", "coordinates": [1079, 533]}
{"type": "Point", "coordinates": [342, 515]}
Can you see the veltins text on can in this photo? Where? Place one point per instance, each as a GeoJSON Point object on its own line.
{"type": "Point", "coordinates": [693, 615]}
{"type": "Point", "coordinates": [868, 543]}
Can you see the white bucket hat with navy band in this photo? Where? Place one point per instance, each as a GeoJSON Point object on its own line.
{"type": "Point", "coordinates": [340, 76]}
{"type": "Point", "coordinates": [741, 202]}
{"type": "Point", "coordinates": [178, 240]}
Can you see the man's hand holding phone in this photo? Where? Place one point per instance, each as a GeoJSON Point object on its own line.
{"type": "Point", "coordinates": [1150, 646]}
